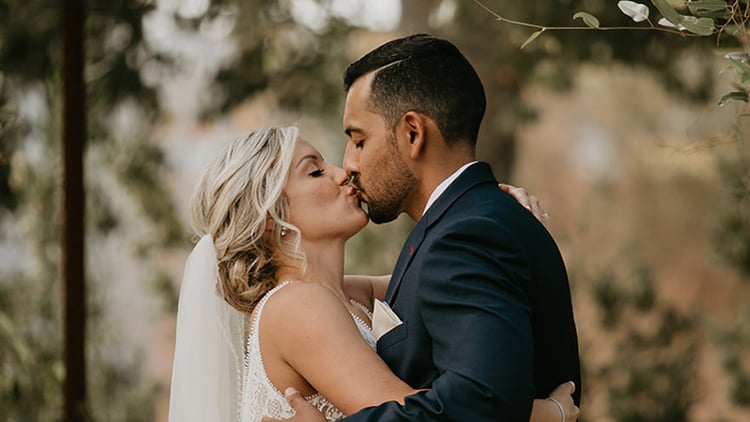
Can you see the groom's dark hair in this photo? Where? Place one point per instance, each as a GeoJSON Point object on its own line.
{"type": "Point", "coordinates": [428, 75]}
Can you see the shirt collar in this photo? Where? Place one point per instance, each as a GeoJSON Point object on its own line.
{"type": "Point", "coordinates": [444, 185]}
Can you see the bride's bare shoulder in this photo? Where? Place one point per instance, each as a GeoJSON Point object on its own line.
{"type": "Point", "coordinates": [306, 316]}
{"type": "Point", "coordinates": [303, 305]}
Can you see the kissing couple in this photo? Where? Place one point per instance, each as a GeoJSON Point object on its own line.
{"type": "Point", "coordinates": [474, 324]}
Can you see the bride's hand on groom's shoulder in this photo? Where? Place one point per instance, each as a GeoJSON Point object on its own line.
{"type": "Point", "coordinates": [527, 200]}
{"type": "Point", "coordinates": [304, 411]}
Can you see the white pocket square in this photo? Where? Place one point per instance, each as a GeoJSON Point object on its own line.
{"type": "Point", "coordinates": [383, 319]}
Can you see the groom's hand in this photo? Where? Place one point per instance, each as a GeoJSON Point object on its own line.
{"type": "Point", "coordinates": [304, 411]}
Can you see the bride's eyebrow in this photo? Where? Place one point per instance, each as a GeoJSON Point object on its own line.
{"type": "Point", "coordinates": [308, 157]}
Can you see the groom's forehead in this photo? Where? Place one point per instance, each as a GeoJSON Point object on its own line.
{"type": "Point", "coordinates": [360, 89]}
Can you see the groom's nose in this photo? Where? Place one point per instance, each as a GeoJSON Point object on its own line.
{"type": "Point", "coordinates": [351, 159]}
{"type": "Point", "coordinates": [339, 175]}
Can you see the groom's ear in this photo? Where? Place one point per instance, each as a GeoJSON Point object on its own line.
{"type": "Point", "coordinates": [412, 130]}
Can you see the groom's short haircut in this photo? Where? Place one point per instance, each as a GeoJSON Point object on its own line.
{"type": "Point", "coordinates": [428, 75]}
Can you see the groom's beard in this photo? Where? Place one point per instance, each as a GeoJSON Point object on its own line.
{"type": "Point", "coordinates": [385, 195]}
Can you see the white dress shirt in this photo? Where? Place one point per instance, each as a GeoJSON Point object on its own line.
{"type": "Point", "coordinates": [444, 185]}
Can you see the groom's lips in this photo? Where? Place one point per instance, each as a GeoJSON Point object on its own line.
{"type": "Point", "coordinates": [362, 201]}
{"type": "Point", "coordinates": [357, 190]}
{"type": "Point", "coordinates": [354, 191]}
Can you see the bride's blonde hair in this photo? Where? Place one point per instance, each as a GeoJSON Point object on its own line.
{"type": "Point", "coordinates": [236, 196]}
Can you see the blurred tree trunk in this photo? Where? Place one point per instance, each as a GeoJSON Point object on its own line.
{"type": "Point", "coordinates": [74, 135]}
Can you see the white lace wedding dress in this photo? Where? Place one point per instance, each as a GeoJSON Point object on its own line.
{"type": "Point", "coordinates": [259, 396]}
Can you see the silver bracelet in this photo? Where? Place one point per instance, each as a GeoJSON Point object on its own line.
{"type": "Point", "coordinates": [559, 406]}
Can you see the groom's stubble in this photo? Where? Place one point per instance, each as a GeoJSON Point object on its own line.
{"type": "Point", "coordinates": [388, 184]}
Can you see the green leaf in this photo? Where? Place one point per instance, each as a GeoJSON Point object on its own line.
{"type": "Point", "coordinates": [733, 96]}
{"type": "Point", "coordinates": [667, 11]}
{"type": "Point", "coordinates": [741, 71]}
{"type": "Point", "coordinates": [700, 26]}
{"type": "Point", "coordinates": [590, 20]}
{"type": "Point", "coordinates": [709, 9]}
{"type": "Point", "coordinates": [531, 38]}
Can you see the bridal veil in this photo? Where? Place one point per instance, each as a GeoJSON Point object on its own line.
{"type": "Point", "coordinates": [208, 357]}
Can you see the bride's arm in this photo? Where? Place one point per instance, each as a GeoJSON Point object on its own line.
{"type": "Point", "coordinates": [368, 286]}
{"type": "Point", "coordinates": [314, 334]}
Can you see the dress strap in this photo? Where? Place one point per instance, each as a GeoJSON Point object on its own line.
{"type": "Point", "coordinates": [364, 328]}
{"type": "Point", "coordinates": [362, 308]}
{"type": "Point", "coordinates": [262, 303]}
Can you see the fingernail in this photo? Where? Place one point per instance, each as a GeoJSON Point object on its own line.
{"type": "Point", "coordinates": [289, 391]}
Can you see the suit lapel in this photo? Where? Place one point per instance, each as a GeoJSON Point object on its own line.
{"type": "Point", "coordinates": [472, 176]}
{"type": "Point", "coordinates": [404, 259]}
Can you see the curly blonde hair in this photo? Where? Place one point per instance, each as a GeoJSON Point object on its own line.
{"type": "Point", "coordinates": [236, 196]}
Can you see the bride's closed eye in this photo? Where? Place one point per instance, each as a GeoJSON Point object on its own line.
{"type": "Point", "coordinates": [317, 173]}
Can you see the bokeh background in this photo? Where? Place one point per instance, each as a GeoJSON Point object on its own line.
{"type": "Point", "coordinates": [619, 133]}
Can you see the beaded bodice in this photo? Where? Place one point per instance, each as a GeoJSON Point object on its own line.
{"type": "Point", "coordinates": [259, 396]}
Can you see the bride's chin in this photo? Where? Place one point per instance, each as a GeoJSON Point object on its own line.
{"type": "Point", "coordinates": [361, 225]}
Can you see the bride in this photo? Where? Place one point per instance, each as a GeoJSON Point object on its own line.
{"type": "Point", "coordinates": [264, 303]}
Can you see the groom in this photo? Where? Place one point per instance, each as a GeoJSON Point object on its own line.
{"type": "Point", "coordinates": [480, 285]}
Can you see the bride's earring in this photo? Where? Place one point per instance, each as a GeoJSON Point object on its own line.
{"type": "Point", "coordinates": [284, 231]}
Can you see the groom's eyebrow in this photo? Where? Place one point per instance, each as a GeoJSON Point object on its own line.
{"type": "Point", "coordinates": [349, 130]}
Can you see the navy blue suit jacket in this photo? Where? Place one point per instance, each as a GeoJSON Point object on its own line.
{"type": "Point", "coordinates": [484, 298]}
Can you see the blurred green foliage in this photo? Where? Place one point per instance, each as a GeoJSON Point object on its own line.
{"type": "Point", "coordinates": [557, 53]}
{"type": "Point", "coordinates": [653, 374]}
{"type": "Point", "coordinates": [732, 237]}
{"type": "Point", "coordinates": [30, 173]}
{"type": "Point", "coordinates": [735, 342]}
{"type": "Point", "coordinates": [31, 370]}
{"type": "Point", "coordinates": [302, 67]}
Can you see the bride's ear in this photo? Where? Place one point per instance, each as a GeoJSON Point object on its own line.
{"type": "Point", "coordinates": [271, 225]}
